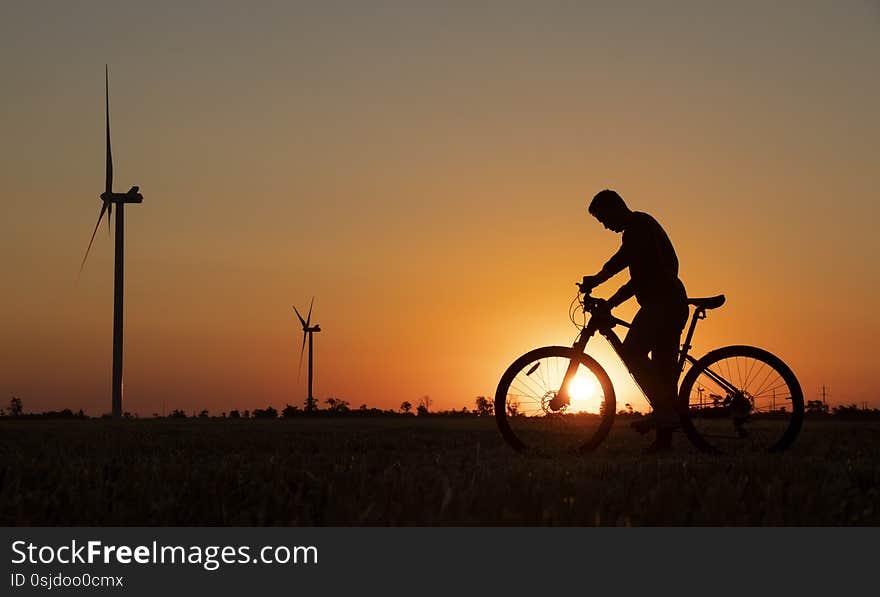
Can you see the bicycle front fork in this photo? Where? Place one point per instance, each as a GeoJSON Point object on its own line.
{"type": "Point", "coordinates": [563, 398]}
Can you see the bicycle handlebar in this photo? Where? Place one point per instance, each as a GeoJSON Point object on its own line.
{"type": "Point", "coordinates": [598, 307]}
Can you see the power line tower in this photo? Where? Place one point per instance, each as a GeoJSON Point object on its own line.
{"type": "Point", "coordinates": [825, 393]}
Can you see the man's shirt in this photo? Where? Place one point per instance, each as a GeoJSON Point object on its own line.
{"type": "Point", "coordinates": [653, 265]}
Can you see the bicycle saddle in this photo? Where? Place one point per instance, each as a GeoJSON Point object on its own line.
{"type": "Point", "coordinates": [709, 302]}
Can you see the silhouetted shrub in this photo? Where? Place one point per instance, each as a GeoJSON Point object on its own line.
{"type": "Point", "coordinates": [265, 413]}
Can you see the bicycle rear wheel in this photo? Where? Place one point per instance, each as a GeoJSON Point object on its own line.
{"type": "Point", "coordinates": [741, 399]}
{"type": "Point", "coordinates": [526, 413]}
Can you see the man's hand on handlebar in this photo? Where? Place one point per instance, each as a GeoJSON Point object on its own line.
{"type": "Point", "coordinates": [588, 284]}
{"type": "Point", "coordinates": [593, 303]}
{"type": "Point", "coordinates": [600, 309]}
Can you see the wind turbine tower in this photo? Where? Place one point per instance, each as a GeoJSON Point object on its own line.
{"type": "Point", "coordinates": [308, 331]}
{"type": "Point", "coordinates": [109, 199]}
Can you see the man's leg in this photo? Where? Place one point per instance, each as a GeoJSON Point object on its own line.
{"type": "Point", "coordinates": [664, 357]}
{"type": "Point", "coordinates": [639, 341]}
{"type": "Point", "coordinates": [664, 352]}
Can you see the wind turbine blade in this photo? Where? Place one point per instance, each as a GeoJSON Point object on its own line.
{"type": "Point", "coordinates": [100, 215]}
{"type": "Point", "coordinates": [301, 351]}
{"type": "Point", "coordinates": [108, 187]}
{"type": "Point", "coordinates": [309, 318]}
{"type": "Point", "coordinates": [109, 205]}
{"type": "Point", "coordinates": [301, 320]}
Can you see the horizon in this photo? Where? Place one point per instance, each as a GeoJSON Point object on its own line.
{"type": "Point", "coordinates": [424, 171]}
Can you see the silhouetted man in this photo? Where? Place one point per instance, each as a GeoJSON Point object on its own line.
{"type": "Point", "coordinates": [656, 329]}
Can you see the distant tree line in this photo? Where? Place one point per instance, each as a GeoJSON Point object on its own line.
{"type": "Point", "coordinates": [332, 407]}
{"type": "Point", "coordinates": [819, 409]}
{"type": "Point", "coordinates": [15, 409]}
{"type": "Point", "coordinates": [336, 407]}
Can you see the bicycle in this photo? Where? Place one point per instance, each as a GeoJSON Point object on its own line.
{"type": "Point", "coordinates": [734, 399]}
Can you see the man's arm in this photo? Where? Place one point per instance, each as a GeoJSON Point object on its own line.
{"type": "Point", "coordinates": [624, 293]}
{"type": "Point", "coordinates": [618, 262]}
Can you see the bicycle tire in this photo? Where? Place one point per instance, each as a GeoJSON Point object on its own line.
{"type": "Point", "coordinates": [547, 430]}
{"type": "Point", "coordinates": [737, 422]}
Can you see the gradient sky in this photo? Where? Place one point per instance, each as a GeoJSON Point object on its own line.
{"type": "Point", "coordinates": [423, 169]}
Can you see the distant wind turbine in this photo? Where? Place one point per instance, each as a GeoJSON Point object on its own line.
{"type": "Point", "coordinates": [108, 198]}
{"type": "Point", "coordinates": [308, 330]}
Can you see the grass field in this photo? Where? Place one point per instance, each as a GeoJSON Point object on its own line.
{"type": "Point", "coordinates": [415, 471]}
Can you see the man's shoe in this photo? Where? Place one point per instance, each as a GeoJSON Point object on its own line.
{"type": "Point", "coordinates": [643, 425]}
{"type": "Point", "coordinates": [656, 420]}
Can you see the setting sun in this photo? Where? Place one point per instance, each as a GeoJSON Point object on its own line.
{"type": "Point", "coordinates": [584, 393]}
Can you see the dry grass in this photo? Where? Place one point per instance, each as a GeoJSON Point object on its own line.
{"type": "Point", "coordinates": [415, 471]}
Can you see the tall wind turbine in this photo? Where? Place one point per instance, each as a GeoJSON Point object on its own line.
{"type": "Point", "coordinates": [108, 199]}
{"type": "Point", "coordinates": [308, 330]}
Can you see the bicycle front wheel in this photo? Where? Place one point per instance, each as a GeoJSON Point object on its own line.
{"type": "Point", "coordinates": [741, 399]}
{"type": "Point", "coordinates": [529, 414]}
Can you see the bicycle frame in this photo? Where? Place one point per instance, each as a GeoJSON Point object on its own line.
{"type": "Point", "coordinates": [604, 326]}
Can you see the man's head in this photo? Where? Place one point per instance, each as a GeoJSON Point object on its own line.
{"type": "Point", "coordinates": [609, 208]}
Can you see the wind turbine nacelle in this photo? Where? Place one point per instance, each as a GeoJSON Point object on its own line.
{"type": "Point", "coordinates": [132, 196]}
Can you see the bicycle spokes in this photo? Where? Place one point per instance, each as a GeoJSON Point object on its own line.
{"type": "Point", "coordinates": [553, 398]}
{"type": "Point", "coordinates": [743, 398]}
{"type": "Point", "coordinates": [540, 390]}
{"type": "Point", "coordinates": [740, 386]}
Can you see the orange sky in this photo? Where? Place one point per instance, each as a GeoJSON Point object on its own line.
{"type": "Point", "coordinates": [423, 169]}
